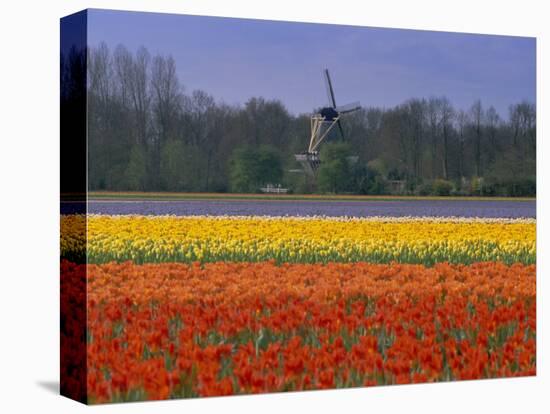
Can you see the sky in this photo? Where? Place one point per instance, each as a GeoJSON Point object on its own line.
{"type": "Point", "coordinates": [236, 59]}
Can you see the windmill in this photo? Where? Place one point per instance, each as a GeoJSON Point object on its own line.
{"type": "Point", "coordinates": [321, 124]}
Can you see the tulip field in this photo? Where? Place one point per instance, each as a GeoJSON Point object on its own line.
{"type": "Point", "coordinates": [201, 305]}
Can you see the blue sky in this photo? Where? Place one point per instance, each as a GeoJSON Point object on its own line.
{"type": "Point", "coordinates": [236, 59]}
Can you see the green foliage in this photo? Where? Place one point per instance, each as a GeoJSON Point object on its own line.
{"type": "Point", "coordinates": [251, 168]}
{"type": "Point", "coordinates": [437, 187]}
{"type": "Point", "coordinates": [297, 183]}
{"type": "Point", "coordinates": [334, 174]}
{"type": "Point", "coordinates": [377, 186]}
{"type": "Point", "coordinates": [135, 175]}
{"type": "Point", "coordinates": [332, 151]}
{"type": "Point", "coordinates": [511, 175]}
{"type": "Point", "coordinates": [424, 189]}
{"type": "Point", "coordinates": [379, 166]}
{"type": "Point", "coordinates": [181, 167]}
{"type": "Point", "coordinates": [441, 187]}
{"type": "Point", "coordinates": [368, 180]}
{"type": "Point", "coordinates": [476, 185]}
{"type": "Point", "coordinates": [173, 166]}
{"type": "Point", "coordinates": [270, 168]}
{"type": "Point", "coordinates": [522, 186]}
{"type": "Point", "coordinates": [242, 168]}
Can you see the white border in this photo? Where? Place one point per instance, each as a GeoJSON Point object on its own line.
{"type": "Point", "coordinates": [29, 222]}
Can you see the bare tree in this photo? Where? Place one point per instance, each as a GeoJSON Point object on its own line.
{"type": "Point", "coordinates": [123, 67]}
{"type": "Point", "coordinates": [400, 136]}
{"type": "Point", "coordinates": [476, 113]}
{"type": "Point", "coordinates": [434, 116]}
{"type": "Point", "coordinates": [166, 95]}
{"type": "Point", "coordinates": [523, 120]}
{"type": "Point", "coordinates": [139, 93]}
{"type": "Point", "coordinates": [166, 106]}
{"type": "Point", "coordinates": [447, 114]}
{"type": "Point", "coordinates": [461, 125]}
{"type": "Point", "coordinates": [100, 72]}
{"type": "Point", "coordinates": [199, 107]}
{"type": "Point", "coordinates": [416, 113]}
{"type": "Point", "coordinates": [220, 120]}
{"type": "Point", "coordinates": [492, 123]}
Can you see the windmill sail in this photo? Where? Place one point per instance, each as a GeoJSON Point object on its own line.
{"type": "Point", "coordinates": [330, 91]}
{"type": "Point", "coordinates": [351, 107]}
{"type": "Point", "coordinates": [324, 121]}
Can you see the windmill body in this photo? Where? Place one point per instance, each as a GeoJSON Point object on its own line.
{"type": "Point", "coordinates": [321, 124]}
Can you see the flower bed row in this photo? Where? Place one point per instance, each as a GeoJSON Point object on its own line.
{"type": "Point", "coordinates": [150, 239]}
{"type": "Point", "coordinates": [177, 330]}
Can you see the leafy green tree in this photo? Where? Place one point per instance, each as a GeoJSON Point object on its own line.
{"type": "Point", "coordinates": [509, 175]}
{"type": "Point", "coordinates": [270, 167]}
{"type": "Point", "coordinates": [442, 187]}
{"type": "Point", "coordinates": [334, 174]}
{"type": "Point", "coordinates": [251, 168]}
{"type": "Point", "coordinates": [135, 175]}
{"type": "Point", "coordinates": [242, 169]}
{"type": "Point", "coordinates": [173, 166]}
{"type": "Point", "coordinates": [367, 180]}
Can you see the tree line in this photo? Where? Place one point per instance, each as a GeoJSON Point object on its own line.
{"type": "Point", "coordinates": [148, 132]}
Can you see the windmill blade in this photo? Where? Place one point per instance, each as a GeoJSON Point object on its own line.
{"type": "Point", "coordinates": [351, 107]}
{"type": "Point", "coordinates": [330, 91]}
{"type": "Point", "coordinates": [341, 129]}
